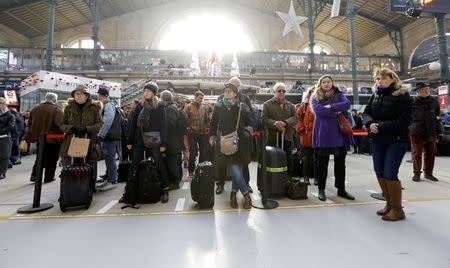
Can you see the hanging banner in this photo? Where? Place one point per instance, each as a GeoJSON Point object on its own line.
{"type": "Point", "coordinates": [443, 99]}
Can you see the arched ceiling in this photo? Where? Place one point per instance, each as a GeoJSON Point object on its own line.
{"type": "Point", "coordinates": [29, 17]}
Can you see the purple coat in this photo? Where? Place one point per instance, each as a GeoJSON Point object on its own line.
{"type": "Point", "coordinates": [326, 133]}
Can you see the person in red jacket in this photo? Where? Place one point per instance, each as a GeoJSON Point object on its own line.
{"type": "Point", "coordinates": [304, 127]}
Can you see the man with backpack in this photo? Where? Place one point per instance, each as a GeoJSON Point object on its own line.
{"type": "Point", "coordinates": [110, 135]}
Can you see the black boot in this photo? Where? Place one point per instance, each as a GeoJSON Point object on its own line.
{"type": "Point", "coordinates": [219, 189]}
{"type": "Point", "coordinates": [343, 193]}
{"type": "Point", "coordinates": [321, 195]}
{"type": "Point", "coordinates": [165, 196]}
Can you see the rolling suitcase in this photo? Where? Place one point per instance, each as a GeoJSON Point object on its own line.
{"type": "Point", "coordinates": [77, 186]}
{"type": "Point", "coordinates": [202, 185]}
{"type": "Point", "coordinates": [276, 168]}
{"type": "Point", "coordinates": [124, 168]}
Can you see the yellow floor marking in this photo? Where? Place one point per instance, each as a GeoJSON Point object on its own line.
{"type": "Point", "coordinates": [111, 215]}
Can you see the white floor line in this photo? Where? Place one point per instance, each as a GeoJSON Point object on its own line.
{"type": "Point", "coordinates": [328, 201]}
{"type": "Point", "coordinates": [373, 192]}
{"type": "Point", "coordinates": [180, 204]}
{"type": "Point", "coordinates": [185, 185]}
{"type": "Point", "coordinates": [108, 206]}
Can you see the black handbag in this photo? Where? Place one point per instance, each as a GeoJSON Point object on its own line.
{"type": "Point", "coordinates": [296, 189]}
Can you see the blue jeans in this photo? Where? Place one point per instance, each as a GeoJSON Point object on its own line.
{"type": "Point", "coordinates": [14, 149]}
{"type": "Point", "coordinates": [235, 171]}
{"type": "Point", "coordinates": [109, 152]}
{"type": "Point", "coordinates": [387, 159]}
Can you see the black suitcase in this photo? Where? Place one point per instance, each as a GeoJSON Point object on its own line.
{"type": "Point", "coordinates": [276, 166]}
{"type": "Point", "coordinates": [149, 185]}
{"type": "Point", "coordinates": [76, 186]}
{"type": "Point", "coordinates": [202, 185]}
{"type": "Point", "coordinates": [123, 171]}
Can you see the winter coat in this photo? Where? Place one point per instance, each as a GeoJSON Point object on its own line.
{"type": "Point", "coordinates": [158, 123]}
{"type": "Point", "coordinates": [47, 117]}
{"type": "Point", "coordinates": [88, 117]}
{"type": "Point", "coordinates": [224, 121]}
{"type": "Point", "coordinates": [305, 124]}
{"type": "Point", "coordinates": [19, 125]}
{"type": "Point", "coordinates": [197, 118]}
{"type": "Point", "coordinates": [111, 129]}
{"type": "Point", "coordinates": [326, 133]}
{"type": "Point", "coordinates": [7, 123]}
{"type": "Point", "coordinates": [391, 109]}
{"type": "Point", "coordinates": [358, 122]}
{"type": "Point", "coordinates": [174, 138]}
{"type": "Point", "coordinates": [272, 112]}
{"type": "Point", "coordinates": [425, 114]}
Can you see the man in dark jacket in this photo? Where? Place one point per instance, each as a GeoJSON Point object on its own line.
{"type": "Point", "coordinates": [7, 122]}
{"type": "Point", "coordinates": [110, 135]}
{"type": "Point", "coordinates": [15, 157]}
{"type": "Point", "coordinates": [46, 118]}
{"type": "Point", "coordinates": [358, 126]}
{"type": "Point", "coordinates": [175, 135]}
{"type": "Point", "coordinates": [423, 130]}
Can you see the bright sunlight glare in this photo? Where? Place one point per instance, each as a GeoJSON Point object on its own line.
{"type": "Point", "coordinates": [206, 33]}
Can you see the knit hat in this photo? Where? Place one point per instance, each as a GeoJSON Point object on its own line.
{"type": "Point", "coordinates": [103, 91]}
{"type": "Point", "coordinates": [420, 85]}
{"type": "Point", "coordinates": [152, 86]}
{"type": "Point", "coordinates": [81, 88]}
{"type": "Point", "coordinates": [232, 87]}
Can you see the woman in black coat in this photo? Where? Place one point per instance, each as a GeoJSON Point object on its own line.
{"type": "Point", "coordinates": [387, 117]}
{"type": "Point", "coordinates": [150, 116]}
{"type": "Point", "coordinates": [223, 122]}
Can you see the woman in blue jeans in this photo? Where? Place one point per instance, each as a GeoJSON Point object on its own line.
{"type": "Point", "coordinates": [387, 117]}
{"type": "Point", "coordinates": [223, 122]}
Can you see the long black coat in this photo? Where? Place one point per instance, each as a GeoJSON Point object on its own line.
{"type": "Point", "coordinates": [224, 121]}
{"type": "Point", "coordinates": [7, 123]}
{"type": "Point", "coordinates": [174, 137]}
{"type": "Point", "coordinates": [391, 109]}
{"type": "Point", "coordinates": [425, 115]}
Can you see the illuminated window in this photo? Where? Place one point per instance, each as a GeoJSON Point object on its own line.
{"type": "Point", "coordinates": [84, 43]}
{"type": "Point", "coordinates": [206, 32]}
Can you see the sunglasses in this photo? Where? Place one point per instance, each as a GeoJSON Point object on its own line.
{"type": "Point", "coordinates": [281, 91]}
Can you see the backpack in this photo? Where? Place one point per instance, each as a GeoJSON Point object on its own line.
{"type": "Point", "coordinates": [123, 121]}
{"type": "Point", "coordinates": [182, 122]}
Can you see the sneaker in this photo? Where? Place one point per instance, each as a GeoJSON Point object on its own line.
{"type": "Point", "coordinates": [17, 162]}
{"type": "Point", "coordinates": [101, 180]}
{"type": "Point", "coordinates": [2, 176]}
{"type": "Point", "coordinates": [107, 186]}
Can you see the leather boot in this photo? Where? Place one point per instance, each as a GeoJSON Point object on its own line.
{"type": "Point", "coordinates": [247, 201]}
{"type": "Point", "coordinates": [233, 200]}
{"type": "Point", "coordinates": [395, 194]}
{"type": "Point", "coordinates": [321, 195]}
{"type": "Point", "coordinates": [165, 196]}
{"type": "Point", "coordinates": [387, 207]}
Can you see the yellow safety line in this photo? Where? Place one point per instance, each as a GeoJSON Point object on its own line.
{"type": "Point", "coordinates": [168, 213]}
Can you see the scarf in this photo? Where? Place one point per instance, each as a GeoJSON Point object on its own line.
{"type": "Point", "coordinates": [144, 118]}
{"type": "Point", "coordinates": [229, 102]}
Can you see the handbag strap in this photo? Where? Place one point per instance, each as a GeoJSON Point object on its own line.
{"type": "Point", "coordinates": [239, 116]}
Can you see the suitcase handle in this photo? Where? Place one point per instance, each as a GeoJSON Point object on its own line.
{"type": "Point", "coordinates": [282, 140]}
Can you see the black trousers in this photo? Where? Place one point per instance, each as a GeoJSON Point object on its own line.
{"type": "Point", "coordinates": [172, 161]}
{"type": "Point", "coordinates": [51, 155]}
{"type": "Point", "coordinates": [308, 162]}
{"type": "Point", "coordinates": [197, 143]}
{"type": "Point", "coordinates": [322, 157]}
{"type": "Point", "coordinates": [138, 156]}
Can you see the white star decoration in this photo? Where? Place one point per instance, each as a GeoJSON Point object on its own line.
{"type": "Point", "coordinates": [292, 21]}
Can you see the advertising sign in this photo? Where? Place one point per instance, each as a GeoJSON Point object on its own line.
{"type": "Point", "coordinates": [443, 100]}
{"type": "Point", "coordinates": [427, 52]}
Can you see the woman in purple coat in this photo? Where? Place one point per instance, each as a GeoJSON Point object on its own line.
{"type": "Point", "coordinates": [327, 102]}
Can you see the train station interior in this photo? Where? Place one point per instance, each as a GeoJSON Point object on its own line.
{"type": "Point", "coordinates": [187, 46]}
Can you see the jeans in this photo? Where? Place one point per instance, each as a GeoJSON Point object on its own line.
{"type": "Point", "coordinates": [238, 184]}
{"type": "Point", "coordinates": [387, 159]}
{"type": "Point", "coordinates": [15, 152]}
{"type": "Point", "coordinates": [197, 142]}
{"type": "Point", "coordinates": [109, 153]}
{"type": "Point", "coordinates": [427, 147]}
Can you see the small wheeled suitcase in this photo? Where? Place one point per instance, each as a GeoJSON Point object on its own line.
{"type": "Point", "coordinates": [149, 184]}
{"type": "Point", "coordinates": [276, 170]}
{"type": "Point", "coordinates": [123, 171]}
{"type": "Point", "coordinates": [202, 185]}
{"type": "Point", "coordinates": [76, 186]}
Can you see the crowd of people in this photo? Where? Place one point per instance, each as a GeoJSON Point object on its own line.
{"type": "Point", "coordinates": [392, 118]}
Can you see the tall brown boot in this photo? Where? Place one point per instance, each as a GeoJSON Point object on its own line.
{"type": "Point", "coordinates": [387, 207]}
{"type": "Point", "coordinates": [233, 200]}
{"type": "Point", "coordinates": [395, 193]}
{"type": "Point", "coordinates": [247, 201]}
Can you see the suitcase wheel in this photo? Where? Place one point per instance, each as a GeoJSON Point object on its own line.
{"type": "Point", "coordinates": [63, 208]}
